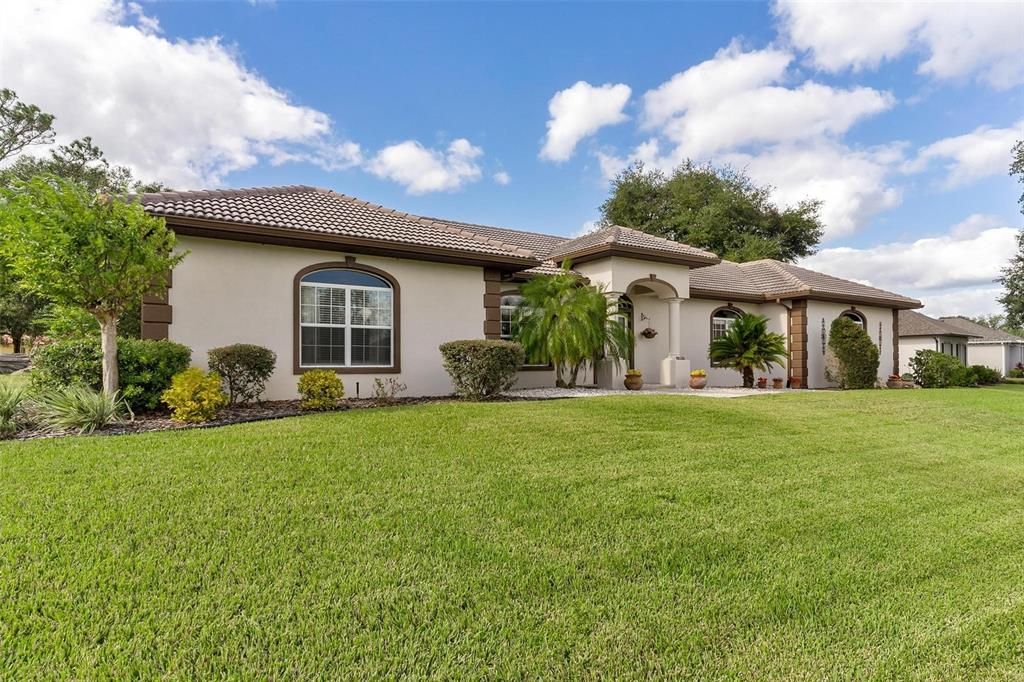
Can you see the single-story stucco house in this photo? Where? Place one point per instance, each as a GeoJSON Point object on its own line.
{"type": "Point", "coordinates": [327, 280]}
{"type": "Point", "coordinates": [994, 348]}
{"type": "Point", "coordinates": [920, 332]}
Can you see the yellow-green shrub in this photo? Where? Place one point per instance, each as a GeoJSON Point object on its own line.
{"type": "Point", "coordinates": [195, 396]}
{"type": "Point", "coordinates": [320, 389]}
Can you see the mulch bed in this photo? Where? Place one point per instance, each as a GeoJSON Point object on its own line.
{"type": "Point", "coordinates": [271, 409]}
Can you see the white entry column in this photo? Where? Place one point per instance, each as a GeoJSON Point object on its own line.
{"type": "Point", "coordinates": [675, 369]}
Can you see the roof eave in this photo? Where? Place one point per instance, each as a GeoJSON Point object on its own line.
{"type": "Point", "coordinates": [610, 250]}
{"type": "Point", "coordinates": [280, 236]}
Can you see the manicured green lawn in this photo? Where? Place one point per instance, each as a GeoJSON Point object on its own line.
{"type": "Point", "coordinates": [876, 534]}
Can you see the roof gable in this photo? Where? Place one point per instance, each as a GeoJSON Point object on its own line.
{"type": "Point", "coordinates": [617, 240]}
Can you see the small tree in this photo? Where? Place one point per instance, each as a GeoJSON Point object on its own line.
{"type": "Point", "coordinates": [21, 125]}
{"type": "Point", "coordinates": [855, 353]}
{"type": "Point", "coordinates": [748, 345]}
{"type": "Point", "coordinates": [19, 309]}
{"type": "Point", "coordinates": [76, 248]}
{"type": "Point", "coordinates": [567, 323]}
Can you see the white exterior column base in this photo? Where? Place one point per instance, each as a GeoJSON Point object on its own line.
{"type": "Point", "coordinates": [675, 372]}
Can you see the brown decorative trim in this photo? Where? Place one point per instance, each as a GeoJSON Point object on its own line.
{"type": "Point", "coordinates": [492, 303]}
{"type": "Point", "coordinates": [858, 313]}
{"type": "Point", "coordinates": [241, 232]}
{"type": "Point", "coordinates": [157, 313]}
{"type": "Point", "coordinates": [798, 296]}
{"type": "Point", "coordinates": [798, 342]}
{"type": "Point", "coordinates": [396, 314]}
{"type": "Point", "coordinates": [895, 342]}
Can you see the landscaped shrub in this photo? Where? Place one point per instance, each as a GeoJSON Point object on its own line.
{"type": "Point", "coordinates": [932, 369]}
{"type": "Point", "coordinates": [1015, 373]}
{"type": "Point", "coordinates": [985, 375]}
{"type": "Point", "coordinates": [320, 389]}
{"type": "Point", "coordinates": [145, 367]}
{"type": "Point", "coordinates": [482, 369]}
{"type": "Point", "coordinates": [78, 408]}
{"type": "Point", "coordinates": [385, 390]}
{"type": "Point", "coordinates": [12, 408]}
{"type": "Point", "coordinates": [245, 369]}
{"type": "Point", "coordinates": [195, 396]}
{"type": "Point", "coordinates": [855, 354]}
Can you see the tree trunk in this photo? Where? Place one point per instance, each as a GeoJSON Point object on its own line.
{"type": "Point", "coordinates": [748, 377]}
{"type": "Point", "coordinates": [108, 345]}
{"type": "Point", "coordinates": [17, 335]}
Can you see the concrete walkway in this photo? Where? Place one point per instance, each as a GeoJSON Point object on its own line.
{"type": "Point", "coordinates": [709, 392]}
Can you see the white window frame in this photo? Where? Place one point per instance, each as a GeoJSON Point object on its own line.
{"type": "Point", "coordinates": [729, 315]}
{"type": "Point", "coordinates": [511, 309]}
{"type": "Point", "coordinates": [347, 325]}
{"type": "Point", "coordinates": [855, 317]}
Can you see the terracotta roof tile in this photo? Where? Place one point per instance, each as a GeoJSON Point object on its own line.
{"type": "Point", "coordinates": [913, 323]}
{"type": "Point", "coordinates": [769, 279]}
{"type": "Point", "coordinates": [984, 334]}
{"type": "Point", "coordinates": [311, 209]}
{"type": "Point", "coordinates": [616, 235]}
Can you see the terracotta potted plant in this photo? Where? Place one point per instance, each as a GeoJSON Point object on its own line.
{"type": "Point", "coordinates": [698, 379]}
{"type": "Point", "coordinates": [778, 382]}
{"type": "Point", "coordinates": [634, 380]}
{"type": "Point", "coordinates": [796, 382]}
{"type": "Point", "coordinates": [762, 382]}
{"type": "Point", "coordinates": [894, 381]}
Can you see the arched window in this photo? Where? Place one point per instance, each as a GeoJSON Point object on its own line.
{"type": "Point", "coordinates": [856, 316]}
{"type": "Point", "coordinates": [509, 303]}
{"type": "Point", "coordinates": [722, 319]}
{"type": "Point", "coordinates": [346, 318]}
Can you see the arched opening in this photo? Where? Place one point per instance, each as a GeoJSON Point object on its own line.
{"type": "Point", "coordinates": [721, 320]}
{"type": "Point", "coordinates": [855, 316]}
{"type": "Point", "coordinates": [346, 318]}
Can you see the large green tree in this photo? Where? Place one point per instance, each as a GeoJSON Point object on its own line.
{"type": "Point", "coordinates": [80, 161]}
{"type": "Point", "coordinates": [718, 209]}
{"type": "Point", "coordinates": [77, 248]}
{"type": "Point", "coordinates": [21, 125]}
{"type": "Point", "coordinates": [1012, 279]}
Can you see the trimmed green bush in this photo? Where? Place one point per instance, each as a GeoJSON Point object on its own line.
{"type": "Point", "coordinates": [986, 376]}
{"type": "Point", "coordinates": [1016, 374]}
{"type": "Point", "coordinates": [855, 353]}
{"type": "Point", "coordinates": [146, 367]}
{"type": "Point", "coordinates": [79, 409]}
{"type": "Point", "coordinates": [482, 369]}
{"type": "Point", "coordinates": [320, 389]}
{"type": "Point", "coordinates": [245, 369]}
{"type": "Point", "coordinates": [195, 396]}
{"type": "Point", "coordinates": [932, 369]}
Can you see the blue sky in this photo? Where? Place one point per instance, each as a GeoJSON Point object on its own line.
{"type": "Point", "coordinates": [899, 117]}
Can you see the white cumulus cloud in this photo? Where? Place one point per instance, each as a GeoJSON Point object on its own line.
{"type": "Point", "coordinates": [955, 40]}
{"type": "Point", "coordinates": [952, 273]}
{"type": "Point", "coordinates": [421, 170]}
{"type": "Point", "coordinates": [579, 111]}
{"type": "Point", "coordinates": [185, 112]}
{"type": "Point", "coordinates": [980, 153]}
{"type": "Point", "coordinates": [502, 178]}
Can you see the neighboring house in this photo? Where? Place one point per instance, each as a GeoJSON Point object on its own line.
{"type": "Point", "coordinates": [995, 348]}
{"type": "Point", "coordinates": [327, 280]}
{"type": "Point", "coordinates": [919, 332]}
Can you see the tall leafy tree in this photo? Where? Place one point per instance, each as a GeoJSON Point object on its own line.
{"type": "Point", "coordinates": [80, 161]}
{"type": "Point", "coordinates": [718, 209]}
{"type": "Point", "coordinates": [21, 125]}
{"type": "Point", "coordinates": [74, 247]}
{"type": "Point", "coordinates": [1012, 279]}
{"type": "Point", "coordinates": [748, 345]}
{"type": "Point", "coordinates": [567, 323]}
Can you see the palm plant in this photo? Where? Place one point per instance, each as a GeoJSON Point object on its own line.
{"type": "Point", "coordinates": [748, 345]}
{"type": "Point", "coordinates": [567, 323]}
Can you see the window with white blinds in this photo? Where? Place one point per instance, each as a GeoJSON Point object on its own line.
{"type": "Point", "coordinates": [345, 320]}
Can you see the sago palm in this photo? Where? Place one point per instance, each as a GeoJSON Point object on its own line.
{"type": "Point", "coordinates": [748, 345]}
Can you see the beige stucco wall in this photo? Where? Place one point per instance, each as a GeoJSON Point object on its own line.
{"type": "Point", "coordinates": [910, 345]}
{"type": "Point", "coordinates": [1000, 357]}
{"type": "Point", "coordinates": [231, 292]}
{"type": "Point", "coordinates": [819, 311]}
{"type": "Point", "coordinates": [617, 273]}
{"type": "Point", "coordinates": [696, 332]}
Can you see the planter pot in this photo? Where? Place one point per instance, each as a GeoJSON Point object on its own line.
{"type": "Point", "coordinates": [762, 383]}
{"type": "Point", "coordinates": [796, 382]}
{"type": "Point", "coordinates": [633, 383]}
{"type": "Point", "coordinates": [894, 383]}
{"type": "Point", "coordinates": [778, 383]}
{"type": "Point", "coordinates": [698, 382]}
